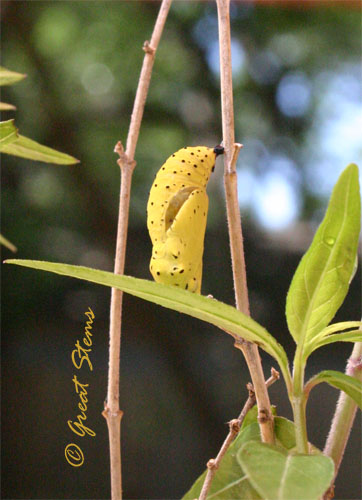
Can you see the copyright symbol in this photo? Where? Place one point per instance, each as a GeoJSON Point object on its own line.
{"type": "Point", "coordinates": [74, 455]}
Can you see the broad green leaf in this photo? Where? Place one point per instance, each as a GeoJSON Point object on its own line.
{"type": "Point", "coordinates": [222, 315]}
{"type": "Point", "coordinates": [8, 77]}
{"type": "Point", "coordinates": [6, 107]}
{"type": "Point", "coordinates": [251, 417]}
{"type": "Point", "coordinates": [8, 133]}
{"type": "Point", "coordinates": [322, 278]}
{"type": "Point", "coordinates": [284, 432]}
{"type": "Point", "coordinates": [279, 475]}
{"type": "Point", "coordinates": [27, 148]}
{"type": "Point", "coordinates": [7, 243]}
{"type": "Point", "coordinates": [350, 385]}
{"type": "Point", "coordinates": [230, 481]}
{"type": "Point", "coordinates": [251, 432]}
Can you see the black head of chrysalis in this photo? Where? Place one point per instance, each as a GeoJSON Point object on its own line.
{"type": "Point", "coordinates": [219, 150]}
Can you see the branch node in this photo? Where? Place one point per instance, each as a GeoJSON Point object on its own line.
{"type": "Point", "coordinates": [118, 148]}
{"type": "Point", "coordinates": [147, 48]}
{"type": "Point", "coordinates": [234, 426]}
{"type": "Point", "coordinates": [264, 416]}
{"type": "Point", "coordinates": [275, 375]}
{"type": "Point", "coordinates": [212, 464]}
{"type": "Point", "coordinates": [250, 389]}
{"type": "Point", "coordinates": [239, 343]}
{"type": "Point", "coordinates": [329, 494]}
{"type": "Point", "coordinates": [124, 160]}
{"type": "Point", "coordinates": [108, 414]}
{"type": "Point", "coordinates": [234, 157]}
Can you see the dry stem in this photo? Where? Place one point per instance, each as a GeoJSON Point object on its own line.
{"type": "Point", "coordinates": [234, 428]}
{"type": "Point", "coordinates": [344, 415]}
{"type": "Point", "coordinates": [249, 350]}
{"type": "Point", "coordinates": [126, 162]}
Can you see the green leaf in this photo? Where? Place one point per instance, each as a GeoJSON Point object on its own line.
{"type": "Point", "coordinates": [230, 481]}
{"type": "Point", "coordinates": [27, 148]}
{"type": "Point", "coordinates": [8, 133]}
{"type": "Point", "coordinates": [278, 475]}
{"type": "Point", "coordinates": [251, 417]}
{"type": "Point", "coordinates": [322, 278]}
{"type": "Point", "coordinates": [7, 243]}
{"type": "Point", "coordinates": [6, 107]}
{"type": "Point", "coordinates": [337, 327]}
{"type": "Point", "coordinates": [222, 315]}
{"type": "Point", "coordinates": [351, 386]}
{"type": "Point", "coordinates": [351, 336]}
{"type": "Point", "coordinates": [329, 335]}
{"type": "Point", "coordinates": [284, 432]}
{"type": "Point", "coordinates": [8, 77]}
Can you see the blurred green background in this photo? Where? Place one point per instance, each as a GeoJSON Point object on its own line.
{"type": "Point", "coordinates": [298, 112]}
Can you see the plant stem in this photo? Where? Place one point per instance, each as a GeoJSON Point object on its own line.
{"type": "Point", "coordinates": [298, 399]}
{"type": "Point", "coordinates": [345, 412]}
{"type": "Point", "coordinates": [249, 350]}
{"type": "Point", "coordinates": [299, 404]}
{"type": "Point", "coordinates": [127, 164]}
{"type": "Point", "coordinates": [234, 428]}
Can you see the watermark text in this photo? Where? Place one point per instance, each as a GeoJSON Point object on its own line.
{"type": "Point", "coordinates": [81, 359]}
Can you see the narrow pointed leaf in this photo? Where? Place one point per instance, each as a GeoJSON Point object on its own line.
{"type": "Point", "coordinates": [352, 336]}
{"type": "Point", "coordinates": [32, 150]}
{"type": "Point", "coordinates": [7, 243]}
{"type": "Point", "coordinates": [224, 316]}
{"type": "Point", "coordinates": [322, 278]}
{"type": "Point", "coordinates": [332, 334]}
{"type": "Point", "coordinates": [337, 327]}
{"type": "Point", "coordinates": [277, 475]}
{"type": "Point", "coordinates": [351, 386]}
{"type": "Point", "coordinates": [8, 133]}
{"type": "Point", "coordinates": [7, 107]}
{"type": "Point", "coordinates": [8, 77]}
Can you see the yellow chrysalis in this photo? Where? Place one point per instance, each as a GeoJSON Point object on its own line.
{"type": "Point", "coordinates": [176, 216]}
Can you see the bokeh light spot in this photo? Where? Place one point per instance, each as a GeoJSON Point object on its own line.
{"type": "Point", "coordinates": [336, 128]}
{"type": "Point", "coordinates": [237, 57]}
{"type": "Point", "coordinates": [289, 48]}
{"type": "Point", "coordinates": [97, 79]}
{"type": "Point", "coordinates": [54, 30]}
{"type": "Point", "coordinates": [275, 202]}
{"type": "Point", "coordinates": [264, 67]}
{"type": "Point", "coordinates": [195, 108]}
{"type": "Point", "coordinates": [42, 188]}
{"type": "Point", "coordinates": [293, 95]}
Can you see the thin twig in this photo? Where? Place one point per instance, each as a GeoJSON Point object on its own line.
{"type": "Point", "coordinates": [234, 427]}
{"type": "Point", "coordinates": [127, 164]}
{"type": "Point", "coordinates": [249, 350]}
{"type": "Point", "coordinates": [344, 415]}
